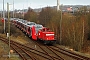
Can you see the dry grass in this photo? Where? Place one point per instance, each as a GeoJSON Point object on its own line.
{"type": "Point", "coordinates": [19, 39]}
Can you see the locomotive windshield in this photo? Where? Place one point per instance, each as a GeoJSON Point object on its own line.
{"type": "Point", "coordinates": [38, 27]}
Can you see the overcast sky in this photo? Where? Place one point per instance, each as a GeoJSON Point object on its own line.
{"type": "Point", "coordinates": [22, 4]}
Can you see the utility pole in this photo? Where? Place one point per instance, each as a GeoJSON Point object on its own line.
{"type": "Point", "coordinates": [27, 3]}
{"type": "Point", "coordinates": [58, 5]}
{"type": "Point", "coordinates": [13, 8]}
{"type": "Point", "coordinates": [23, 11]}
{"type": "Point", "coordinates": [4, 16]}
{"type": "Point", "coordinates": [8, 27]}
{"type": "Point", "coordinates": [1, 13]}
{"type": "Point", "coordinates": [61, 25]}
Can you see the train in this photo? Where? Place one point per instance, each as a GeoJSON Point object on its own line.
{"type": "Point", "coordinates": [35, 31]}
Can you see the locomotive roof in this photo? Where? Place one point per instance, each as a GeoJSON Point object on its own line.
{"type": "Point", "coordinates": [30, 23]}
{"type": "Point", "coordinates": [38, 26]}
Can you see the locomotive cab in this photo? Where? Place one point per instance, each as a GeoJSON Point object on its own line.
{"type": "Point", "coordinates": [46, 35]}
{"type": "Point", "coordinates": [35, 30]}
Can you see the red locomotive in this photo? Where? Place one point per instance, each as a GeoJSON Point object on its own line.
{"type": "Point", "coordinates": [44, 34]}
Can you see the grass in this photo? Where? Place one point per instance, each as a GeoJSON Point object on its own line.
{"type": "Point", "coordinates": [21, 39]}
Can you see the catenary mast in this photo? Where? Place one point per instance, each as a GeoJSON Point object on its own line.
{"type": "Point", "coordinates": [58, 5]}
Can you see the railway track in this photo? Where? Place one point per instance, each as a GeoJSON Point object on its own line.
{"type": "Point", "coordinates": [26, 52]}
{"type": "Point", "coordinates": [69, 53]}
{"type": "Point", "coordinates": [48, 52]}
{"type": "Point", "coordinates": [20, 51]}
{"type": "Point", "coordinates": [52, 52]}
{"type": "Point", "coordinates": [34, 51]}
{"type": "Point", "coordinates": [40, 47]}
